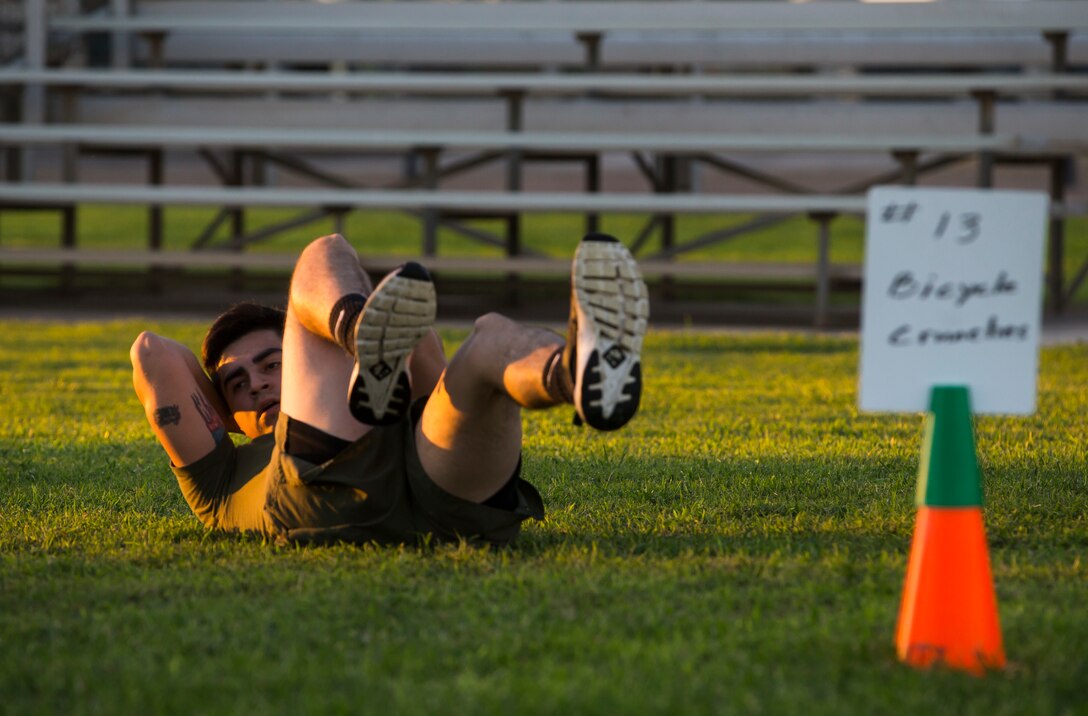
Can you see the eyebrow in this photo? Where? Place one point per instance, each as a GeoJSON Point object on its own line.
{"type": "Point", "coordinates": [230, 375]}
{"type": "Point", "coordinates": [265, 353]}
{"type": "Point", "coordinates": [233, 373]}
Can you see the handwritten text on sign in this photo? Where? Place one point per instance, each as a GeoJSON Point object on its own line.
{"type": "Point", "coordinates": [953, 296]}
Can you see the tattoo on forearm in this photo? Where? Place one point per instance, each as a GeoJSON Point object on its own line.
{"type": "Point", "coordinates": [168, 415]}
{"type": "Point", "coordinates": [211, 418]}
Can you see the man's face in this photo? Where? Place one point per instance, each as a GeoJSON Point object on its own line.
{"type": "Point", "coordinates": [248, 375]}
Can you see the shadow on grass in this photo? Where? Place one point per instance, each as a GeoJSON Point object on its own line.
{"type": "Point", "coordinates": [803, 509]}
{"type": "Point", "coordinates": [797, 547]}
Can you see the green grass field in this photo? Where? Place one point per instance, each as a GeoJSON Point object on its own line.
{"type": "Point", "coordinates": [740, 548]}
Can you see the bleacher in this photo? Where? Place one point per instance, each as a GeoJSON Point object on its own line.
{"type": "Point", "coordinates": [686, 91]}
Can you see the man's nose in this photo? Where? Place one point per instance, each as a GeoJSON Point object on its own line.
{"type": "Point", "coordinates": [257, 383]}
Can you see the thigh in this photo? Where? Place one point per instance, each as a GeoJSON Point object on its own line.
{"type": "Point", "coordinates": [469, 437]}
{"type": "Point", "coordinates": [314, 383]}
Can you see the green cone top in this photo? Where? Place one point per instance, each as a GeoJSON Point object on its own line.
{"type": "Point", "coordinates": [948, 475]}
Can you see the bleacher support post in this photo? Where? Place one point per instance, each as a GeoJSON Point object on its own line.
{"type": "Point", "coordinates": [515, 101]}
{"type": "Point", "coordinates": [593, 186]}
{"type": "Point", "coordinates": [591, 41]}
{"type": "Point", "coordinates": [154, 219]}
{"type": "Point", "coordinates": [34, 59]}
{"type": "Point", "coordinates": [120, 47]}
{"type": "Point", "coordinates": [1055, 277]}
{"type": "Point", "coordinates": [430, 215]}
{"type": "Point", "coordinates": [986, 100]}
{"type": "Point", "coordinates": [908, 165]}
{"type": "Point", "coordinates": [68, 241]}
{"type": "Point", "coordinates": [823, 266]}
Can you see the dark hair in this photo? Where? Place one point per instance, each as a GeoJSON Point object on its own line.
{"type": "Point", "coordinates": [234, 323]}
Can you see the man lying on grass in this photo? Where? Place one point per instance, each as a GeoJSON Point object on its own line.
{"type": "Point", "coordinates": [359, 429]}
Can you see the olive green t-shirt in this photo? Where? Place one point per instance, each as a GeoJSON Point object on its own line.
{"type": "Point", "coordinates": [228, 488]}
{"type": "Point", "coordinates": [374, 490]}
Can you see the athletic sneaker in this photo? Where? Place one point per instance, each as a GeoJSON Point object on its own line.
{"type": "Point", "coordinates": [396, 316]}
{"type": "Point", "coordinates": [609, 308]}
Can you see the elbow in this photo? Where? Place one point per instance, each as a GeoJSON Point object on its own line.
{"type": "Point", "coordinates": [153, 357]}
{"type": "Point", "coordinates": [145, 349]}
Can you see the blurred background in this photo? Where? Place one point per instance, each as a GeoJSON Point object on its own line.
{"type": "Point", "coordinates": [174, 155]}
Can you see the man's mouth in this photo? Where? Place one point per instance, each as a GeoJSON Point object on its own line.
{"type": "Point", "coordinates": [267, 407]}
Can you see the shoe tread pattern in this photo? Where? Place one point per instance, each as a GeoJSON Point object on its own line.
{"type": "Point", "coordinates": [613, 311]}
{"type": "Point", "coordinates": [397, 315]}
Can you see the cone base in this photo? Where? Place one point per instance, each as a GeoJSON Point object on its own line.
{"type": "Point", "coordinates": [948, 614]}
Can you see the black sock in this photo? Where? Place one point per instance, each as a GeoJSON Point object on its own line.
{"type": "Point", "coordinates": [558, 381]}
{"type": "Point", "coordinates": [342, 320]}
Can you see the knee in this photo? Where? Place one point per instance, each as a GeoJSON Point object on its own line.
{"type": "Point", "coordinates": [323, 248]}
{"type": "Point", "coordinates": [490, 332]}
{"type": "Point", "coordinates": [487, 342]}
{"type": "Point", "coordinates": [323, 260]}
{"type": "Point", "coordinates": [491, 325]}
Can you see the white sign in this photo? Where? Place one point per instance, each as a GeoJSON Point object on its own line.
{"type": "Point", "coordinates": [952, 296]}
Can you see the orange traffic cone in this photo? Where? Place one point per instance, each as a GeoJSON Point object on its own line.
{"type": "Point", "coordinates": [949, 611]}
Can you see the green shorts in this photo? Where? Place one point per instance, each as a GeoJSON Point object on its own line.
{"type": "Point", "coordinates": [376, 490]}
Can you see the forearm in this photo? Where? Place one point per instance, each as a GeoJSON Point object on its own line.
{"type": "Point", "coordinates": [176, 356]}
{"type": "Point", "coordinates": [162, 367]}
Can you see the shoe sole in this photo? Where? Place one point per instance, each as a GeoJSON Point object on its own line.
{"type": "Point", "coordinates": [612, 306]}
{"type": "Point", "coordinates": [395, 318]}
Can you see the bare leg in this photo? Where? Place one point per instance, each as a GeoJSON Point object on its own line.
{"type": "Point", "coordinates": [469, 438]}
{"type": "Point", "coordinates": [316, 369]}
